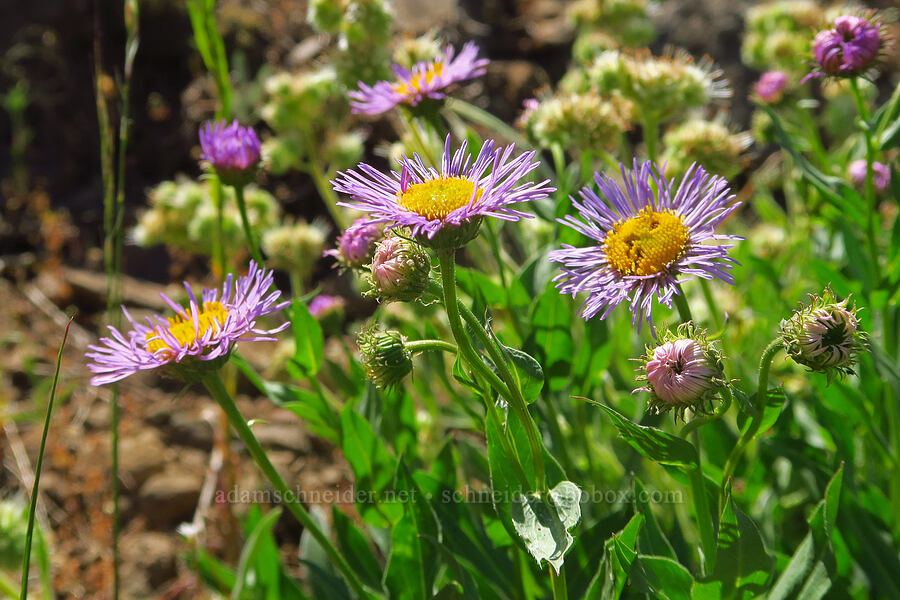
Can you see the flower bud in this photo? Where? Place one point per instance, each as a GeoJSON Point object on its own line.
{"type": "Point", "coordinates": [325, 15]}
{"type": "Point", "coordinates": [329, 311]}
{"type": "Point", "coordinates": [684, 372]}
{"type": "Point", "coordinates": [585, 122]}
{"type": "Point", "coordinates": [881, 174]}
{"type": "Point", "coordinates": [232, 150]}
{"type": "Point", "coordinates": [356, 245]}
{"type": "Point", "coordinates": [13, 528]}
{"type": "Point", "coordinates": [849, 48]}
{"type": "Point", "coordinates": [824, 335]}
{"type": "Point", "coordinates": [384, 356]}
{"type": "Point", "coordinates": [295, 246]}
{"type": "Point", "coordinates": [770, 87]}
{"type": "Point", "coordinates": [400, 270]}
{"type": "Point", "coordinates": [708, 143]}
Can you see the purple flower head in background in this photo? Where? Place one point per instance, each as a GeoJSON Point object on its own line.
{"type": "Point", "coordinates": [460, 193]}
{"type": "Point", "coordinates": [427, 79]}
{"type": "Point", "coordinates": [357, 244]}
{"type": "Point", "coordinates": [647, 236]}
{"type": "Point", "coordinates": [848, 49]}
{"type": "Point", "coordinates": [232, 150]}
{"type": "Point", "coordinates": [881, 174]}
{"type": "Point", "coordinates": [771, 85]}
{"type": "Point", "coordinates": [205, 330]}
{"type": "Point", "coordinates": [323, 305]}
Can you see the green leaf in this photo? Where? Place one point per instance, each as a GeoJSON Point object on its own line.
{"type": "Point", "coordinates": [309, 406]}
{"type": "Point", "coordinates": [661, 577]}
{"type": "Point", "coordinates": [410, 572]}
{"type": "Point", "coordinates": [742, 565]}
{"type": "Point", "coordinates": [551, 339]}
{"type": "Point", "coordinates": [652, 540]}
{"type": "Point", "coordinates": [356, 549]}
{"type": "Point", "coordinates": [774, 404]}
{"type": "Point", "coordinates": [544, 525]}
{"type": "Point", "coordinates": [655, 444]}
{"type": "Point", "coordinates": [308, 341]}
{"type": "Point", "coordinates": [620, 551]}
{"type": "Point", "coordinates": [255, 541]}
{"type": "Point", "coordinates": [373, 468]}
{"type": "Point", "coordinates": [525, 370]}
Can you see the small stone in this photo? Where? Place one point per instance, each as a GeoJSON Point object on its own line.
{"type": "Point", "coordinates": [281, 436]}
{"type": "Point", "coordinates": [188, 430]}
{"type": "Point", "coordinates": [169, 498]}
{"type": "Point", "coordinates": [140, 456]}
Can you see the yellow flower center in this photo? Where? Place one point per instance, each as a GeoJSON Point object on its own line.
{"type": "Point", "coordinates": [646, 243]}
{"type": "Point", "coordinates": [182, 327]}
{"type": "Point", "coordinates": [437, 198]}
{"type": "Point", "coordinates": [418, 80]}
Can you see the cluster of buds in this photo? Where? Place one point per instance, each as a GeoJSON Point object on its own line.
{"type": "Point", "coordinates": [385, 357]}
{"type": "Point", "coordinates": [182, 215]}
{"type": "Point", "coordinates": [356, 245]}
{"type": "Point", "coordinates": [708, 143]}
{"type": "Point", "coordinates": [683, 372]}
{"type": "Point", "coordinates": [824, 335]}
{"type": "Point", "coordinates": [881, 174]}
{"type": "Point", "coordinates": [364, 42]}
{"type": "Point", "coordinates": [659, 86]}
{"type": "Point", "coordinates": [411, 50]}
{"type": "Point", "coordinates": [776, 35]}
{"type": "Point", "coordinates": [586, 122]}
{"type": "Point", "coordinates": [13, 529]}
{"type": "Point", "coordinates": [627, 21]}
{"type": "Point", "coordinates": [295, 246]}
{"type": "Point", "coordinates": [295, 100]}
{"type": "Point", "coordinates": [400, 270]}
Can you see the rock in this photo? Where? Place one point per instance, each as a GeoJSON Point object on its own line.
{"type": "Point", "coordinates": [189, 430]}
{"type": "Point", "coordinates": [282, 436]}
{"type": "Point", "coordinates": [140, 456]}
{"type": "Point", "coordinates": [153, 553]}
{"type": "Point", "coordinates": [169, 498]}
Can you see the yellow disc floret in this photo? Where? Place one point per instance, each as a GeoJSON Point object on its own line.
{"type": "Point", "coordinates": [184, 329]}
{"type": "Point", "coordinates": [437, 198]}
{"type": "Point", "coordinates": [418, 80]}
{"type": "Point", "coordinates": [646, 243]}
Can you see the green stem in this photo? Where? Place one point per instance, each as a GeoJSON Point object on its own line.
{"type": "Point", "coordinates": [700, 421]}
{"type": "Point", "coordinates": [651, 136]}
{"type": "Point", "coordinates": [248, 232]}
{"type": "Point", "coordinates": [218, 241]}
{"type": "Point", "coordinates": [559, 584]}
{"type": "Point", "coordinates": [703, 513]}
{"type": "Point", "coordinates": [35, 488]}
{"type": "Point", "coordinates": [329, 197]}
{"type": "Point", "coordinates": [426, 345]}
{"type": "Point", "coordinates": [871, 208]}
{"type": "Point", "coordinates": [759, 402]}
{"type": "Point", "coordinates": [505, 386]}
{"type": "Point", "coordinates": [684, 311]}
{"type": "Point", "coordinates": [711, 303]}
{"type": "Point", "coordinates": [508, 449]}
{"type": "Point", "coordinates": [215, 385]}
{"type": "Point", "coordinates": [7, 587]}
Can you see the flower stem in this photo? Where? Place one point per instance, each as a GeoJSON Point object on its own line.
{"type": "Point", "coordinates": [506, 386]}
{"type": "Point", "coordinates": [865, 126]}
{"type": "Point", "coordinates": [559, 584]}
{"type": "Point", "coordinates": [684, 311]}
{"type": "Point", "coordinates": [218, 241]}
{"type": "Point", "coordinates": [215, 385]}
{"type": "Point", "coordinates": [426, 345]}
{"type": "Point", "coordinates": [248, 232]}
{"type": "Point", "coordinates": [703, 513]}
{"type": "Point", "coordinates": [700, 421]}
{"type": "Point", "coordinates": [711, 303]}
{"type": "Point", "coordinates": [759, 403]}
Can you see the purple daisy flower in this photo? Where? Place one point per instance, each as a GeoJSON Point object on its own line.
{"type": "Point", "coordinates": [648, 235]}
{"type": "Point", "coordinates": [451, 200]}
{"type": "Point", "coordinates": [881, 174]}
{"type": "Point", "coordinates": [232, 150]}
{"type": "Point", "coordinates": [205, 330]}
{"type": "Point", "coordinates": [427, 79]}
{"type": "Point", "coordinates": [847, 49]}
{"type": "Point", "coordinates": [771, 85]}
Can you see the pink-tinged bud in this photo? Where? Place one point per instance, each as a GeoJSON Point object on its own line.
{"type": "Point", "coordinates": [324, 305]}
{"type": "Point", "coordinates": [770, 87]}
{"type": "Point", "coordinates": [849, 48]}
{"type": "Point", "coordinates": [232, 150]}
{"type": "Point", "coordinates": [684, 371]}
{"type": "Point", "coordinates": [881, 174]}
{"type": "Point", "coordinates": [824, 335]}
{"type": "Point", "coordinates": [400, 270]}
{"type": "Point", "coordinates": [357, 244]}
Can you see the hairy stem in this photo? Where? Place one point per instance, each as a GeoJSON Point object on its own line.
{"type": "Point", "coordinates": [248, 231]}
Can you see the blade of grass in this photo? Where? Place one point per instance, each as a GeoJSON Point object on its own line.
{"type": "Point", "coordinates": [26, 562]}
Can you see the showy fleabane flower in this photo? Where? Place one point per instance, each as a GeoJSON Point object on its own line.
{"type": "Point", "coordinates": [385, 357]}
{"type": "Point", "coordinates": [444, 208]}
{"type": "Point", "coordinates": [683, 372]}
{"type": "Point", "coordinates": [357, 244]}
{"type": "Point", "coordinates": [232, 150]}
{"type": "Point", "coordinates": [824, 335]}
{"type": "Point", "coordinates": [881, 174]}
{"type": "Point", "coordinates": [847, 49]}
{"type": "Point", "coordinates": [647, 237]}
{"type": "Point", "coordinates": [400, 270]}
{"type": "Point", "coordinates": [198, 338]}
{"type": "Point", "coordinates": [426, 79]}
{"type": "Point", "coordinates": [770, 87]}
